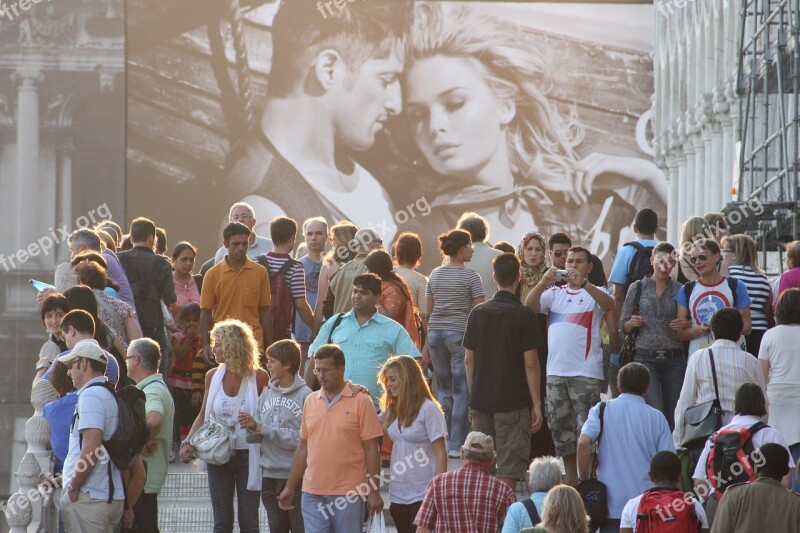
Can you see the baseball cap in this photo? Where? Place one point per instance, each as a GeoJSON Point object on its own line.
{"type": "Point", "coordinates": [478, 442]}
{"type": "Point", "coordinates": [88, 349]}
{"type": "Point", "coordinates": [365, 237]}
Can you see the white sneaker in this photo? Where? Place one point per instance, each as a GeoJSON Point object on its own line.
{"type": "Point", "coordinates": [454, 454]}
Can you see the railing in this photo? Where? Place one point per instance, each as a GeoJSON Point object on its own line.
{"type": "Point", "coordinates": [32, 508]}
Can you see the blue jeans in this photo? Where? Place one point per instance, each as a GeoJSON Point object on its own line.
{"type": "Point", "coordinates": [223, 482]}
{"type": "Point", "coordinates": [666, 380]}
{"type": "Point", "coordinates": [447, 356]}
{"type": "Point", "coordinates": [281, 521]}
{"type": "Point", "coordinates": [794, 449]}
{"type": "Point", "coordinates": [333, 514]}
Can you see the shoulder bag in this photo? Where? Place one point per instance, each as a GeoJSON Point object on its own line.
{"type": "Point", "coordinates": [214, 441]}
{"type": "Point", "coordinates": [594, 492]}
{"type": "Point", "coordinates": [703, 420]}
{"type": "Point", "coordinates": [628, 351]}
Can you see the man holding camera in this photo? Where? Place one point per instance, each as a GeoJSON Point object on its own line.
{"type": "Point", "coordinates": [575, 357]}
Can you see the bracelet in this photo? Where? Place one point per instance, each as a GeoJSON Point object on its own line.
{"type": "Point", "coordinates": [185, 442]}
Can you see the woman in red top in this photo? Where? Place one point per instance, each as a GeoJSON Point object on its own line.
{"type": "Point", "coordinates": [395, 300]}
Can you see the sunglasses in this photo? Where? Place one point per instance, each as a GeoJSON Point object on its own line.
{"type": "Point", "coordinates": [558, 253]}
{"type": "Point", "coordinates": [695, 258]}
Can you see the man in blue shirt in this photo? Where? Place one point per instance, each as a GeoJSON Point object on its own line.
{"type": "Point", "coordinates": [367, 338]}
{"type": "Point", "coordinates": [632, 432]}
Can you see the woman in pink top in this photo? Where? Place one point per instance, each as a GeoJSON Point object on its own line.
{"type": "Point", "coordinates": [186, 290]}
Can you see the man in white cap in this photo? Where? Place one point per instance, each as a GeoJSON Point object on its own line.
{"type": "Point", "coordinates": [467, 499]}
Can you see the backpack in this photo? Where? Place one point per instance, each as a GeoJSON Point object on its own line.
{"type": "Point", "coordinates": [281, 306]}
{"type": "Point", "coordinates": [729, 448]}
{"type": "Point", "coordinates": [132, 432]}
{"type": "Point", "coordinates": [733, 284]}
{"type": "Point", "coordinates": [658, 513]}
{"type": "Point", "coordinates": [640, 266]}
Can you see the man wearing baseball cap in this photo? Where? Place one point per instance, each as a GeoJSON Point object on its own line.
{"type": "Point", "coordinates": [467, 499]}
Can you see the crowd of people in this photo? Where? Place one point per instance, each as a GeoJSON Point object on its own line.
{"type": "Point", "coordinates": [337, 367]}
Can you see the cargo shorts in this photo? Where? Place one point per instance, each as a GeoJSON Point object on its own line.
{"type": "Point", "coordinates": [567, 404]}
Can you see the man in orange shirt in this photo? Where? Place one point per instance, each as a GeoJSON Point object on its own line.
{"type": "Point", "coordinates": [236, 287]}
{"type": "Point", "coordinates": [338, 452]}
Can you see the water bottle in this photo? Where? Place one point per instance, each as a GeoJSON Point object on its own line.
{"type": "Point", "coordinates": [40, 286]}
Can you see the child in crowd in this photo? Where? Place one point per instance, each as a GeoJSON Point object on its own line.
{"type": "Point", "coordinates": [185, 344]}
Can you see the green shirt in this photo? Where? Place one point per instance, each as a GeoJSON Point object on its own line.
{"type": "Point", "coordinates": [159, 400]}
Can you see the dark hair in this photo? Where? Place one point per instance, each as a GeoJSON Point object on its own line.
{"type": "Point", "coordinates": [287, 352]}
{"type": "Point", "coordinates": [364, 30]}
{"type": "Point", "coordinates": [646, 221]}
{"type": "Point", "coordinates": [182, 247]}
{"type": "Point", "coordinates": [82, 297]}
{"type": "Point", "coordinates": [60, 380]}
{"type": "Point", "coordinates": [378, 262]}
{"type": "Point", "coordinates": [452, 241]}
{"type": "Point", "coordinates": [584, 251]}
{"type": "Point", "coordinates": [97, 366]}
{"type": "Point", "coordinates": [634, 378]}
{"type": "Point", "coordinates": [235, 228]}
{"type": "Point", "coordinates": [86, 255]}
{"type": "Point", "coordinates": [408, 249]}
{"type": "Point", "coordinates": [504, 246]}
{"type": "Point", "coordinates": [749, 400]}
{"type": "Point", "coordinates": [727, 324]}
{"type": "Point", "coordinates": [369, 282]}
{"type": "Point", "coordinates": [81, 320]}
{"type": "Point", "coordinates": [142, 229]}
{"type": "Point", "coordinates": [506, 269]}
{"type": "Point", "coordinates": [775, 461]}
{"type": "Point", "coordinates": [91, 274]}
{"type": "Point", "coordinates": [559, 238]}
{"type": "Point", "coordinates": [282, 229]}
{"type": "Point", "coordinates": [787, 311]}
{"type": "Point", "coordinates": [710, 245]}
{"type": "Point", "coordinates": [126, 243]}
{"type": "Point", "coordinates": [663, 248]}
{"type": "Point", "coordinates": [716, 219]}
{"type": "Point", "coordinates": [53, 302]}
{"type": "Point", "coordinates": [665, 467]}
{"type": "Point", "coordinates": [597, 276]}
{"type": "Point", "coordinates": [190, 310]}
{"type": "Point", "coordinates": [161, 241]}
{"type": "Point", "coordinates": [328, 351]}
{"type": "Point", "coordinates": [475, 225]}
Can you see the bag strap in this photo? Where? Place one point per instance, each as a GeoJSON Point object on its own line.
{"type": "Point", "coordinates": [239, 398]}
{"type": "Point", "coordinates": [714, 376]}
{"type": "Point", "coordinates": [533, 514]}
{"type": "Point", "coordinates": [638, 297]}
{"type": "Point", "coordinates": [733, 285]}
{"type": "Point", "coordinates": [599, 436]}
{"type": "Point", "coordinates": [336, 323]}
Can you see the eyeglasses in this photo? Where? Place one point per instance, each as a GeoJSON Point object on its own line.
{"type": "Point", "coordinates": [324, 371]}
{"type": "Point", "coordinates": [695, 258]}
{"type": "Point", "coordinates": [129, 357]}
{"type": "Point", "coordinates": [558, 253]}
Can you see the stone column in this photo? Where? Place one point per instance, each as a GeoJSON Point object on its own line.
{"type": "Point", "coordinates": [64, 195]}
{"type": "Point", "coordinates": [28, 77]}
{"type": "Point", "coordinates": [672, 206]}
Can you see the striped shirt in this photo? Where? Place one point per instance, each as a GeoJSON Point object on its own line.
{"type": "Point", "coordinates": [418, 284]}
{"type": "Point", "coordinates": [295, 276]}
{"type": "Point", "coordinates": [453, 290]}
{"type": "Point", "coordinates": [759, 290]}
{"type": "Point", "coordinates": [734, 367]}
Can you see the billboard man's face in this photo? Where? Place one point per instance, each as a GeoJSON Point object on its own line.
{"type": "Point", "coordinates": [456, 120]}
{"type": "Point", "coordinates": [364, 100]}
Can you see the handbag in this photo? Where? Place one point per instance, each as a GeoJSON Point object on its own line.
{"type": "Point", "coordinates": [377, 523]}
{"type": "Point", "coordinates": [594, 492]}
{"type": "Point", "coordinates": [214, 441]}
{"type": "Point", "coordinates": [628, 351]}
{"type": "Point", "coordinates": [703, 420]}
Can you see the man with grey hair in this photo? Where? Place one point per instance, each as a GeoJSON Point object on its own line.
{"type": "Point", "coordinates": [143, 360]}
{"type": "Point", "coordinates": [341, 284]}
{"type": "Point", "coordinates": [257, 245]}
{"type": "Point", "coordinates": [483, 254]}
{"type": "Point", "coordinates": [544, 473]}
{"type": "Point", "coordinates": [315, 234]}
{"type": "Point", "coordinates": [470, 498]}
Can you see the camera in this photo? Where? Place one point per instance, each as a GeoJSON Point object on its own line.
{"type": "Point", "coordinates": [561, 274]}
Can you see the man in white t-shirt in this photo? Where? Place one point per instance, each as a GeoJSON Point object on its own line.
{"type": "Point", "coordinates": [575, 357]}
{"type": "Point", "coordinates": [665, 501]}
{"type": "Point", "coordinates": [710, 293]}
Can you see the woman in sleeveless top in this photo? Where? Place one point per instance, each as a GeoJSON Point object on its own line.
{"type": "Point", "coordinates": [395, 300]}
{"type": "Point", "coordinates": [239, 373]}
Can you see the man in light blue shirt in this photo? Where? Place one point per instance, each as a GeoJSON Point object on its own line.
{"type": "Point", "coordinates": [367, 338]}
{"type": "Point", "coordinates": [632, 432]}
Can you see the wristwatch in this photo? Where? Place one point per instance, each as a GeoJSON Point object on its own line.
{"type": "Point", "coordinates": [43, 364]}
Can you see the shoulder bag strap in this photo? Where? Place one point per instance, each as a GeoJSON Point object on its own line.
{"type": "Point", "coordinates": [599, 436]}
{"type": "Point", "coordinates": [714, 376]}
{"type": "Point", "coordinates": [533, 514]}
{"type": "Point", "coordinates": [336, 323]}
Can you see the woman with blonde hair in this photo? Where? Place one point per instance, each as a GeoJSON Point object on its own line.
{"type": "Point", "coordinates": [238, 381]}
{"type": "Point", "coordinates": [416, 425]}
{"type": "Point", "coordinates": [477, 97]}
{"type": "Point", "coordinates": [340, 236]}
{"type": "Point", "coordinates": [692, 230]}
{"type": "Point", "coordinates": [740, 256]}
{"type": "Point", "coordinates": [563, 512]}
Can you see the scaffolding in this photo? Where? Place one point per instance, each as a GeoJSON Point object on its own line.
{"type": "Point", "coordinates": [768, 150]}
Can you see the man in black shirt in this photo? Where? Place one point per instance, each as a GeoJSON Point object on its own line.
{"type": "Point", "coordinates": [150, 277]}
{"type": "Point", "coordinates": [503, 374]}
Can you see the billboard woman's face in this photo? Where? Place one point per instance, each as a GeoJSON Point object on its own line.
{"type": "Point", "coordinates": [455, 118]}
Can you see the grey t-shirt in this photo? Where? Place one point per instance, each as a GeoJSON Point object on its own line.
{"type": "Point", "coordinates": [453, 290]}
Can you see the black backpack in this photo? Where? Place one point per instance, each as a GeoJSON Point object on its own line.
{"type": "Point", "coordinates": [131, 434]}
{"type": "Point", "coordinates": [640, 266]}
{"type": "Point", "coordinates": [733, 283]}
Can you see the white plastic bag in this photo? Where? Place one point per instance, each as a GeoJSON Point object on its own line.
{"type": "Point", "coordinates": [377, 524]}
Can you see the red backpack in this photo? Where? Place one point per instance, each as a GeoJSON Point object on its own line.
{"type": "Point", "coordinates": [660, 512]}
{"type": "Point", "coordinates": [281, 306]}
{"type": "Point", "coordinates": [729, 459]}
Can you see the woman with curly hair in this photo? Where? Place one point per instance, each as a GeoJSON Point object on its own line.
{"type": "Point", "coordinates": [480, 114]}
{"type": "Point", "coordinates": [238, 380]}
{"type": "Point", "coordinates": [416, 425]}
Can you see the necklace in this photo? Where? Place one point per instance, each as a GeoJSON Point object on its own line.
{"type": "Point", "coordinates": [183, 285]}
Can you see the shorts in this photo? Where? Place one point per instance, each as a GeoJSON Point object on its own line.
{"type": "Point", "coordinates": [511, 432]}
{"type": "Point", "coordinates": [567, 403]}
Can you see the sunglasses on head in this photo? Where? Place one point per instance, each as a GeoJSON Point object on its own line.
{"type": "Point", "coordinates": [695, 258]}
